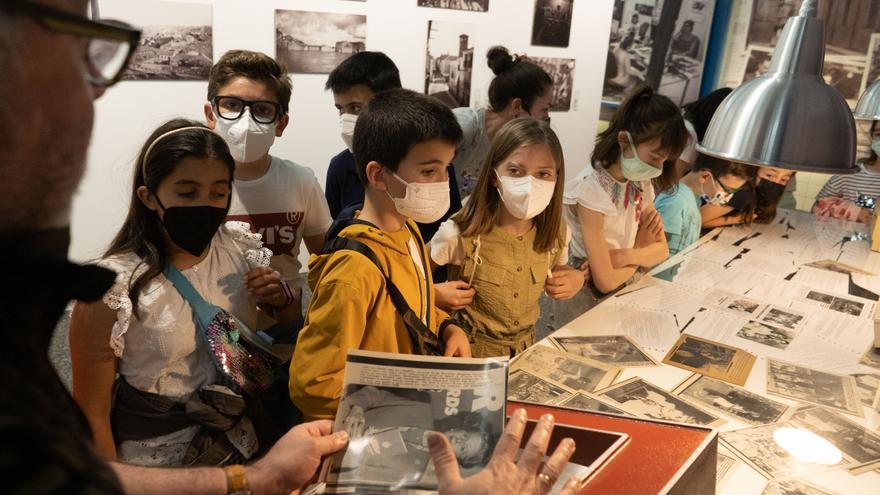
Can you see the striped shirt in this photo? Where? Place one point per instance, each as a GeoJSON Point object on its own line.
{"type": "Point", "coordinates": [850, 186]}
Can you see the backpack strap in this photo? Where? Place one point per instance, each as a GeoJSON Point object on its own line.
{"type": "Point", "coordinates": [423, 340]}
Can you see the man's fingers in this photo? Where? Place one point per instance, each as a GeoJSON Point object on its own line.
{"type": "Point", "coordinates": [445, 463]}
{"type": "Point", "coordinates": [505, 450]}
{"type": "Point", "coordinates": [533, 454]}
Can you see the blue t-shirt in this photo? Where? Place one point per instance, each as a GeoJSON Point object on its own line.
{"type": "Point", "coordinates": [681, 216]}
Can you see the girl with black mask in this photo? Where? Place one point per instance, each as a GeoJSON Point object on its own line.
{"type": "Point", "coordinates": [143, 330]}
{"type": "Point", "coordinates": [755, 202]}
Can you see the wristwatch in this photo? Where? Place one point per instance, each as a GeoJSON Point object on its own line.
{"type": "Point", "coordinates": [236, 482]}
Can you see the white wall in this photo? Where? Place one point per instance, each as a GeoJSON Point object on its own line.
{"type": "Point", "coordinates": [128, 112]}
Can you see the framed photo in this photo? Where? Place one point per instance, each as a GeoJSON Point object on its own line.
{"type": "Point", "coordinates": [647, 400]}
{"type": "Point", "coordinates": [711, 358]}
{"type": "Point", "coordinates": [551, 25]}
{"type": "Point", "coordinates": [789, 380]}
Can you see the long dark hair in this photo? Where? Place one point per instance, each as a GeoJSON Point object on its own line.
{"type": "Point", "coordinates": [700, 112]}
{"type": "Point", "coordinates": [646, 115]}
{"type": "Point", "coordinates": [141, 233]}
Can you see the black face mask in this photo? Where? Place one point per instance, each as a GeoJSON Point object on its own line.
{"type": "Point", "coordinates": [191, 228]}
{"type": "Point", "coordinates": [769, 192]}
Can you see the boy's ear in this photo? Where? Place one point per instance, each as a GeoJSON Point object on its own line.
{"type": "Point", "coordinates": [147, 198]}
{"type": "Point", "coordinates": [210, 118]}
{"type": "Point", "coordinates": [281, 124]}
{"type": "Point", "coordinates": [376, 176]}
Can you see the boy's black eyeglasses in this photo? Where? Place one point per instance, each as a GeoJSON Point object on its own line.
{"type": "Point", "coordinates": [109, 44]}
{"type": "Point", "coordinates": [262, 111]}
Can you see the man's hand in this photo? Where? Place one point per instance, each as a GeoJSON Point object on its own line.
{"type": "Point", "coordinates": [354, 422]}
{"type": "Point", "coordinates": [457, 342]}
{"type": "Point", "coordinates": [295, 458]}
{"type": "Point", "coordinates": [453, 295]}
{"type": "Point", "coordinates": [565, 282]}
{"type": "Point", "coordinates": [528, 476]}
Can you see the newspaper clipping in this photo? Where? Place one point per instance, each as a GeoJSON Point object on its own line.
{"type": "Point", "coordinates": [858, 445]}
{"type": "Point", "coordinates": [565, 370]}
{"type": "Point", "coordinates": [644, 399]}
{"type": "Point", "coordinates": [616, 350]}
{"type": "Point", "coordinates": [389, 404]}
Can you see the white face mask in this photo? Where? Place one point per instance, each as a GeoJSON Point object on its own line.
{"type": "Point", "coordinates": [247, 139]}
{"type": "Point", "coordinates": [347, 122]}
{"type": "Point", "coordinates": [525, 197]}
{"type": "Point", "coordinates": [424, 202]}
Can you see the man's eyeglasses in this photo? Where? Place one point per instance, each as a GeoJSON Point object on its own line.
{"type": "Point", "coordinates": [262, 111]}
{"type": "Point", "coordinates": [110, 44]}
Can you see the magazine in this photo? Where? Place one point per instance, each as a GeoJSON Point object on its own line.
{"type": "Point", "coordinates": [390, 402]}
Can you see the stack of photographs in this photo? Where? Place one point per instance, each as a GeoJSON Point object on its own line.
{"type": "Point", "coordinates": [554, 376]}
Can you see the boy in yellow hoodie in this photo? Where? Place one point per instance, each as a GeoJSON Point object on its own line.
{"type": "Point", "coordinates": [403, 144]}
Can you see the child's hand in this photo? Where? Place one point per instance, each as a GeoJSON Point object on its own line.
{"type": "Point", "coordinates": [264, 285]}
{"type": "Point", "coordinates": [565, 282]}
{"type": "Point", "coordinates": [650, 227]}
{"type": "Point", "coordinates": [453, 295]}
{"type": "Point", "coordinates": [457, 342]}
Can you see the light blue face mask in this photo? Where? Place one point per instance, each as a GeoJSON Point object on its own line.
{"type": "Point", "coordinates": [875, 146]}
{"type": "Point", "coordinates": [634, 168]}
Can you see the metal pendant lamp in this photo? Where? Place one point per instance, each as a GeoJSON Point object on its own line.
{"type": "Point", "coordinates": [869, 104]}
{"type": "Point", "coordinates": [789, 117]}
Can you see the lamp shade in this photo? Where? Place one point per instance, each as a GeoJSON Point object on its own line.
{"type": "Point", "coordinates": [869, 104]}
{"type": "Point", "coordinates": [789, 117]}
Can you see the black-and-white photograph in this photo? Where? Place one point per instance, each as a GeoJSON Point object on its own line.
{"type": "Point", "coordinates": [778, 338]}
{"type": "Point", "coordinates": [561, 70]}
{"type": "Point", "coordinates": [841, 35]}
{"type": "Point", "coordinates": [687, 50]}
{"type": "Point", "coordinates": [846, 77]}
{"type": "Point", "coordinates": [316, 42]}
{"type": "Point", "coordinates": [820, 297]}
{"type": "Point", "coordinates": [847, 306]}
{"type": "Point", "coordinates": [744, 306]}
{"type": "Point", "coordinates": [589, 403]}
{"type": "Point", "coordinates": [784, 318]}
{"type": "Point", "coordinates": [794, 487]}
{"type": "Point", "coordinates": [868, 384]}
{"type": "Point", "coordinates": [644, 399]}
{"type": "Point", "coordinates": [388, 427]}
{"type": "Point", "coordinates": [735, 402]}
{"type": "Point", "coordinates": [551, 25]}
{"type": "Point", "coordinates": [471, 5]}
{"type": "Point", "coordinates": [629, 48]}
{"type": "Point", "coordinates": [813, 386]}
{"type": "Point", "coordinates": [450, 62]}
{"type": "Point", "coordinates": [703, 355]}
{"type": "Point", "coordinates": [854, 441]}
{"type": "Point", "coordinates": [758, 63]}
{"type": "Point", "coordinates": [723, 467]}
{"type": "Point", "coordinates": [758, 447]}
{"type": "Point", "coordinates": [618, 350]}
{"type": "Point", "coordinates": [872, 72]}
{"type": "Point", "coordinates": [526, 387]}
{"type": "Point", "coordinates": [871, 358]}
{"type": "Point", "coordinates": [176, 44]}
{"type": "Point", "coordinates": [565, 369]}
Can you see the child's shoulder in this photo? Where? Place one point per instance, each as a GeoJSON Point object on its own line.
{"type": "Point", "coordinates": [594, 189]}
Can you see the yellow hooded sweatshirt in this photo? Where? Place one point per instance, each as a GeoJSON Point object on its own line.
{"type": "Point", "coordinates": [350, 309]}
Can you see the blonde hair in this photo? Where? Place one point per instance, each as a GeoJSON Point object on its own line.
{"type": "Point", "coordinates": [478, 216]}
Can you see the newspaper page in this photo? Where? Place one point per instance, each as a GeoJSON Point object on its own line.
{"type": "Point", "coordinates": [390, 402]}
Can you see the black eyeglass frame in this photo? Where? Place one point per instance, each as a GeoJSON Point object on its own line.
{"type": "Point", "coordinates": [59, 21]}
{"type": "Point", "coordinates": [279, 108]}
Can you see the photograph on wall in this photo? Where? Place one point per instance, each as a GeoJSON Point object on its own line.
{"type": "Point", "coordinates": [565, 369]}
{"type": "Point", "coordinates": [872, 72]}
{"type": "Point", "coordinates": [813, 386]}
{"type": "Point", "coordinates": [736, 402]}
{"type": "Point", "coordinates": [471, 5]}
{"type": "Point", "coordinates": [551, 25]}
{"type": "Point", "coordinates": [856, 443]}
{"type": "Point", "coordinates": [644, 399]}
{"type": "Point", "coordinates": [629, 47]}
{"type": "Point", "coordinates": [795, 487]}
{"type": "Point", "coordinates": [683, 68]}
{"type": "Point", "coordinates": [449, 60]}
{"type": "Point", "coordinates": [561, 71]}
{"type": "Point", "coordinates": [176, 44]}
{"type": "Point", "coordinates": [845, 76]}
{"type": "Point", "coordinates": [617, 350]}
{"type": "Point", "coordinates": [847, 30]}
{"type": "Point", "coordinates": [711, 358]}
{"type": "Point", "coordinates": [589, 402]}
{"type": "Point", "coordinates": [758, 63]}
{"type": "Point", "coordinates": [316, 42]}
{"type": "Point", "coordinates": [758, 448]}
{"type": "Point", "coordinates": [526, 387]}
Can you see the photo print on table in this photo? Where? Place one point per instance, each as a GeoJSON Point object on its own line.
{"type": "Point", "coordinates": [710, 358]}
{"type": "Point", "coordinates": [735, 402]}
{"type": "Point", "coordinates": [449, 62]}
{"type": "Point", "coordinates": [813, 386]}
{"type": "Point", "coordinates": [871, 357]}
{"type": "Point", "coordinates": [526, 387]}
{"type": "Point", "coordinates": [589, 402]}
{"type": "Point", "coordinates": [782, 317]}
{"type": "Point", "coordinates": [762, 333]}
{"type": "Point", "coordinates": [617, 350]}
{"type": "Point", "coordinates": [857, 444]}
{"type": "Point", "coordinates": [646, 400]}
{"type": "Point", "coordinates": [869, 389]}
{"type": "Point", "coordinates": [795, 487]}
{"type": "Point", "coordinates": [316, 42]}
{"type": "Point", "coordinates": [723, 468]}
{"type": "Point", "coordinates": [177, 41]}
{"type": "Point", "coordinates": [565, 369]}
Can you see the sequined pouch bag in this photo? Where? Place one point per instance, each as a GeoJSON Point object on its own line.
{"type": "Point", "coordinates": [241, 356]}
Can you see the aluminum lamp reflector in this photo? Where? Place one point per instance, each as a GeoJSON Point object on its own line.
{"type": "Point", "coordinates": [869, 104]}
{"type": "Point", "coordinates": [788, 118]}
